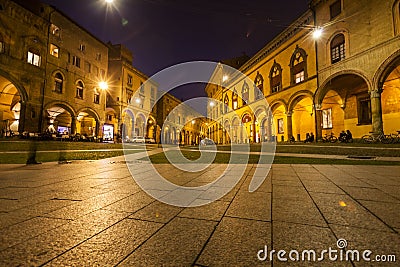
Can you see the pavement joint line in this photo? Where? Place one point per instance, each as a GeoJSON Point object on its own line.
{"type": "Point", "coordinates": [219, 222]}
{"type": "Point", "coordinates": [359, 203]}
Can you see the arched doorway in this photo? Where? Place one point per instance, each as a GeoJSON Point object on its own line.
{"type": "Point", "coordinates": [88, 123]}
{"type": "Point", "coordinates": [279, 122]}
{"type": "Point", "coordinates": [13, 106]}
{"type": "Point", "coordinates": [151, 128]}
{"type": "Point", "coordinates": [303, 117]}
{"type": "Point", "coordinates": [60, 119]}
{"type": "Point", "coordinates": [127, 127]}
{"type": "Point", "coordinates": [235, 129]}
{"type": "Point", "coordinates": [140, 125]}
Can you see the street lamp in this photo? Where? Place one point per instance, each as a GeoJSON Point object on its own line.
{"type": "Point", "coordinates": [109, 1]}
{"type": "Point", "coordinates": [317, 33]}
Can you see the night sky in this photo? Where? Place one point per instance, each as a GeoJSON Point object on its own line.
{"type": "Point", "coordinates": [162, 33]}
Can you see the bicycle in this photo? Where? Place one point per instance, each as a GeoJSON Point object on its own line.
{"type": "Point", "coordinates": [374, 138]}
{"type": "Point", "coordinates": [329, 138]}
{"type": "Point", "coordinates": [395, 137]}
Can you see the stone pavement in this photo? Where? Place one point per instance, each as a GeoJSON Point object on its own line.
{"type": "Point", "coordinates": [94, 214]}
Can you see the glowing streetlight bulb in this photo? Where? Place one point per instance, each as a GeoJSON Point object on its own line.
{"type": "Point", "coordinates": [212, 104]}
{"type": "Point", "coordinates": [317, 33]}
{"type": "Point", "coordinates": [193, 121]}
{"type": "Point", "coordinates": [138, 100]}
{"type": "Point", "coordinates": [225, 78]}
{"type": "Point", "coordinates": [109, 1]}
{"type": "Point", "coordinates": [103, 85]}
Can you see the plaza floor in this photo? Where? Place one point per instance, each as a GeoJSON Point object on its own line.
{"type": "Point", "coordinates": [94, 214]}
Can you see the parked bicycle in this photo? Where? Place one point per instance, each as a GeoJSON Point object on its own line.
{"type": "Point", "coordinates": [377, 138]}
{"type": "Point", "coordinates": [395, 137]}
{"type": "Point", "coordinates": [329, 138]}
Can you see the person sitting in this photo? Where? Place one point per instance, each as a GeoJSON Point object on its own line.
{"type": "Point", "coordinates": [349, 136]}
{"type": "Point", "coordinates": [291, 139]}
{"type": "Point", "coordinates": [307, 137]}
{"type": "Point", "coordinates": [343, 136]}
{"type": "Point", "coordinates": [311, 138]}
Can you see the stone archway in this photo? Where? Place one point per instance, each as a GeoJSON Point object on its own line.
{"type": "Point", "coordinates": [60, 118]}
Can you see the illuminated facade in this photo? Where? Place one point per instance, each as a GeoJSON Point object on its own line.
{"type": "Point", "coordinates": [131, 101]}
{"type": "Point", "coordinates": [345, 79]}
{"type": "Point", "coordinates": [50, 69]}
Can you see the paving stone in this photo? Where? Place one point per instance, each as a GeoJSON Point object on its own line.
{"type": "Point", "coordinates": [176, 244]}
{"type": "Point", "coordinates": [289, 236]}
{"type": "Point", "coordinates": [255, 205]}
{"type": "Point", "coordinates": [302, 211]}
{"type": "Point", "coordinates": [289, 192]}
{"type": "Point", "coordinates": [341, 209]}
{"type": "Point", "coordinates": [157, 212]}
{"type": "Point", "coordinates": [387, 212]}
{"type": "Point", "coordinates": [213, 211]}
{"type": "Point", "coordinates": [236, 242]}
{"type": "Point", "coordinates": [321, 186]}
{"type": "Point", "coordinates": [366, 193]}
{"type": "Point", "coordinates": [110, 246]}
{"type": "Point", "coordinates": [379, 243]}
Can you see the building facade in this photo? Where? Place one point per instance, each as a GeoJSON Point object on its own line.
{"type": "Point", "coordinates": [131, 98]}
{"type": "Point", "coordinates": [50, 72]}
{"type": "Point", "coordinates": [179, 124]}
{"type": "Point", "coordinates": [346, 77]}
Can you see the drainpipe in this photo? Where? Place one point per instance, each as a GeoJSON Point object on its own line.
{"type": "Point", "coordinates": [316, 68]}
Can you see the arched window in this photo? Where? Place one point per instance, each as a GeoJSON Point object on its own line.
{"type": "Point", "coordinates": [79, 90]}
{"type": "Point", "coordinates": [58, 83]}
{"type": "Point", "coordinates": [226, 102]}
{"type": "Point", "coordinates": [2, 44]}
{"type": "Point", "coordinates": [34, 57]}
{"type": "Point", "coordinates": [275, 77]}
{"type": "Point", "coordinates": [234, 99]}
{"type": "Point", "coordinates": [338, 51]}
{"type": "Point", "coordinates": [259, 83]}
{"type": "Point", "coordinates": [245, 93]}
{"type": "Point", "coordinates": [298, 66]}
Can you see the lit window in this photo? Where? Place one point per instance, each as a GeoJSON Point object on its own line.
{"type": "Point", "coordinates": [96, 71]}
{"type": "Point", "coordinates": [245, 93]}
{"type": "Point", "coordinates": [58, 83]}
{"type": "Point", "coordinates": [298, 67]}
{"type": "Point", "coordinates": [79, 90]}
{"type": "Point", "coordinates": [129, 94]}
{"type": "Point", "coordinates": [82, 47]}
{"type": "Point", "coordinates": [259, 83]}
{"type": "Point", "coordinates": [299, 77]}
{"type": "Point", "coordinates": [226, 102]}
{"type": "Point", "coordinates": [54, 50]}
{"type": "Point", "coordinates": [327, 118]}
{"type": "Point", "coordinates": [234, 100]}
{"type": "Point", "coordinates": [34, 57]}
{"type": "Point", "coordinates": [153, 92]}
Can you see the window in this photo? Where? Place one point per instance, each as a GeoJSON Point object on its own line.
{"type": "Point", "coordinates": [335, 9]}
{"type": "Point", "coordinates": [259, 83]}
{"type": "Point", "coordinates": [280, 126]}
{"type": "Point", "coordinates": [34, 57]}
{"type": "Point", "coordinates": [55, 30]}
{"type": "Point", "coordinates": [275, 77]}
{"type": "Point", "coordinates": [98, 56]}
{"type": "Point", "coordinates": [327, 118]}
{"type": "Point", "coordinates": [79, 90]}
{"type": "Point", "coordinates": [298, 66]}
{"type": "Point", "coordinates": [364, 110]}
{"type": "Point", "coordinates": [54, 50]}
{"type": "Point", "coordinates": [129, 94]}
{"type": "Point", "coordinates": [82, 47]}
{"type": "Point", "coordinates": [141, 101]}
{"type": "Point", "coordinates": [299, 77]}
{"type": "Point", "coordinates": [58, 83]}
{"type": "Point", "coordinates": [338, 51]}
{"type": "Point", "coordinates": [129, 79]}
{"type": "Point", "coordinates": [226, 102]}
{"type": "Point", "coordinates": [109, 117]}
{"type": "Point", "coordinates": [245, 93]}
{"type": "Point", "coordinates": [153, 92]}
{"type": "Point", "coordinates": [88, 67]}
{"type": "Point", "coordinates": [76, 61]}
{"type": "Point", "coordinates": [234, 100]}
{"type": "Point", "coordinates": [96, 99]}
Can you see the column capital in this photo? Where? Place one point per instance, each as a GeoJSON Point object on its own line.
{"type": "Point", "coordinates": [375, 93]}
{"type": "Point", "coordinates": [289, 113]}
{"type": "Point", "coordinates": [318, 106]}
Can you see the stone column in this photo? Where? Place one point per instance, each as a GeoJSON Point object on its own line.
{"type": "Point", "coordinates": [318, 121]}
{"type": "Point", "coordinates": [376, 110]}
{"type": "Point", "coordinates": [73, 125]}
{"type": "Point", "coordinates": [289, 125]}
{"type": "Point", "coordinates": [253, 125]}
{"type": "Point", "coordinates": [21, 122]}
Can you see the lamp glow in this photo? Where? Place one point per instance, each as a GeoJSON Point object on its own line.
{"type": "Point", "coordinates": [103, 85]}
{"type": "Point", "coordinates": [317, 33]}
